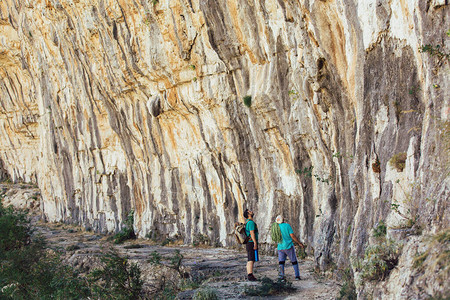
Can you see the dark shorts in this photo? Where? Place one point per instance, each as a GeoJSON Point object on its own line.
{"type": "Point", "coordinates": [250, 251]}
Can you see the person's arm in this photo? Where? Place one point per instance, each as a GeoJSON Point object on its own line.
{"type": "Point", "coordinates": [253, 235]}
{"type": "Point", "coordinates": [295, 239]}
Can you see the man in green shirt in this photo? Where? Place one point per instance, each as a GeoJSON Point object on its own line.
{"type": "Point", "coordinates": [286, 247]}
{"type": "Point", "coordinates": [251, 230]}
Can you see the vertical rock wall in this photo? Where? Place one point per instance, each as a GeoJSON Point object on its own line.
{"type": "Point", "coordinates": [113, 105]}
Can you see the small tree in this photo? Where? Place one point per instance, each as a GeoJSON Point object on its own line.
{"type": "Point", "coordinates": [117, 279]}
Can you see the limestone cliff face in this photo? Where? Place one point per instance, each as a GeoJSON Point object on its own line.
{"type": "Point", "coordinates": [114, 105]}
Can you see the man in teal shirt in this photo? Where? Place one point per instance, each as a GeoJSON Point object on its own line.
{"type": "Point", "coordinates": [286, 248]}
{"type": "Point", "coordinates": [251, 230]}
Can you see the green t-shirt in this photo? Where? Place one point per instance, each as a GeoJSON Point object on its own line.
{"type": "Point", "coordinates": [251, 225]}
{"type": "Point", "coordinates": [287, 241]}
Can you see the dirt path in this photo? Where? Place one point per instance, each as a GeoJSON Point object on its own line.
{"type": "Point", "coordinates": [223, 269]}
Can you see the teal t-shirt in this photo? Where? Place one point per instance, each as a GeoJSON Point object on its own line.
{"type": "Point", "coordinates": [287, 241]}
{"type": "Point", "coordinates": [250, 225]}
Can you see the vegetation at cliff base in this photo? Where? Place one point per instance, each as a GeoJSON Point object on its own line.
{"type": "Point", "coordinates": [31, 270]}
{"type": "Point", "coordinates": [348, 289]}
{"type": "Point", "coordinates": [27, 269]}
{"type": "Point", "coordinates": [118, 277]}
{"type": "Point", "coordinates": [379, 258]}
{"type": "Point", "coordinates": [127, 232]}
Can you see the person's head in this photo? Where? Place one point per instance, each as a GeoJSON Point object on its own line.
{"type": "Point", "coordinates": [279, 219]}
{"type": "Point", "coordinates": [248, 213]}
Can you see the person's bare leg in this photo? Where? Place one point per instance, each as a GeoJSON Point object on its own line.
{"type": "Point", "coordinates": [249, 267]}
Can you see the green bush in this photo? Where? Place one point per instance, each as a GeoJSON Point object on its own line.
{"type": "Point", "coordinates": [247, 100]}
{"type": "Point", "coordinates": [435, 50]}
{"type": "Point", "coordinates": [166, 242]}
{"type": "Point", "coordinates": [379, 260]}
{"type": "Point", "coordinates": [200, 239]}
{"type": "Point", "coordinates": [301, 252]}
{"type": "Point", "coordinates": [15, 230]}
{"type": "Point", "coordinates": [269, 287]}
{"type": "Point", "coordinates": [205, 294]}
{"type": "Point", "coordinates": [175, 262]}
{"type": "Point", "coordinates": [28, 270]}
{"type": "Point", "coordinates": [398, 161]}
{"type": "Point", "coordinates": [380, 230]}
{"type": "Point", "coordinates": [189, 284]}
{"type": "Point", "coordinates": [155, 258]}
{"type": "Point", "coordinates": [348, 289]}
{"type": "Point", "coordinates": [72, 248]}
{"type": "Point", "coordinates": [118, 279]}
{"type": "Point", "coordinates": [127, 232]}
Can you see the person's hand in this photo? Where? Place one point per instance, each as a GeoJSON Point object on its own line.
{"type": "Point", "coordinates": [255, 247]}
{"type": "Point", "coordinates": [301, 245]}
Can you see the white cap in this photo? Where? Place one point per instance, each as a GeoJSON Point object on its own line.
{"type": "Point", "coordinates": [279, 219]}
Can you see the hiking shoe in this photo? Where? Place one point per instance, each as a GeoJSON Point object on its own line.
{"type": "Point", "coordinates": [281, 279]}
{"type": "Point", "coordinates": [251, 277]}
{"type": "Point", "coordinates": [297, 278]}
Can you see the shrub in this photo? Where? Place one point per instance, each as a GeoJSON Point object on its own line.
{"type": "Point", "coordinates": [168, 291]}
{"type": "Point", "coordinates": [118, 279]}
{"type": "Point", "coordinates": [247, 100]}
{"type": "Point", "coordinates": [175, 262]}
{"type": "Point", "coordinates": [435, 50]}
{"type": "Point", "coordinates": [127, 232]}
{"type": "Point", "coordinates": [398, 161]}
{"type": "Point", "coordinates": [72, 248]}
{"type": "Point", "coordinates": [189, 284]}
{"type": "Point", "coordinates": [155, 258]}
{"type": "Point", "coordinates": [301, 252]}
{"type": "Point", "coordinates": [376, 166]}
{"type": "Point", "coordinates": [153, 235]}
{"type": "Point", "coordinates": [167, 288]}
{"type": "Point", "coordinates": [200, 239]}
{"type": "Point", "coordinates": [348, 289]}
{"type": "Point", "coordinates": [380, 230]}
{"type": "Point", "coordinates": [15, 230]}
{"type": "Point", "coordinates": [379, 260]}
{"type": "Point", "coordinates": [27, 270]}
{"type": "Point", "coordinates": [205, 294]}
{"type": "Point", "coordinates": [166, 242]}
{"type": "Point", "coordinates": [269, 287]}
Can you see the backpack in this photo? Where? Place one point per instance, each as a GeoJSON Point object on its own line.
{"type": "Point", "coordinates": [239, 233]}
